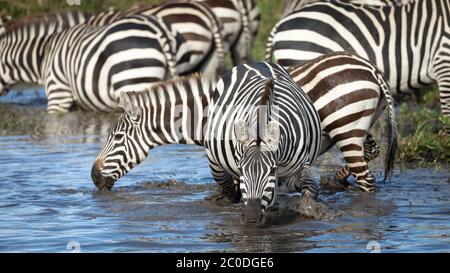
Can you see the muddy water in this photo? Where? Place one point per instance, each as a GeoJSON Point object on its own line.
{"type": "Point", "coordinates": [48, 202]}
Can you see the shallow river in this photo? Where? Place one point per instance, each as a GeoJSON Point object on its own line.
{"type": "Point", "coordinates": [49, 203]}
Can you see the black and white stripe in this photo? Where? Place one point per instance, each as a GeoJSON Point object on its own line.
{"type": "Point", "coordinates": [261, 127]}
{"type": "Point", "coordinates": [350, 94]}
{"type": "Point", "coordinates": [240, 20]}
{"type": "Point", "coordinates": [202, 49]}
{"type": "Point", "coordinates": [410, 42]}
{"type": "Point", "coordinates": [170, 112]}
{"type": "Point", "coordinates": [23, 45]}
{"type": "Point", "coordinates": [89, 66]}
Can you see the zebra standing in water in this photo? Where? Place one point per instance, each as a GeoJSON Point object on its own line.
{"type": "Point", "coordinates": [409, 42]}
{"type": "Point", "coordinates": [179, 111]}
{"type": "Point", "coordinates": [170, 112]}
{"type": "Point", "coordinates": [23, 42]}
{"type": "Point", "coordinates": [88, 66]}
{"type": "Point", "coordinates": [262, 129]}
{"type": "Point", "coordinates": [350, 93]}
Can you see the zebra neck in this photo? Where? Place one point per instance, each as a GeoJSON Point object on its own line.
{"type": "Point", "coordinates": [176, 113]}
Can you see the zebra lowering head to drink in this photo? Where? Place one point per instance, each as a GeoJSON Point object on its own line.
{"type": "Point", "coordinates": [262, 129]}
{"type": "Point", "coordinates": [179, 111]}
{"type": "Point", "coordinates": [408, 41]}
{"type": "Point", "coordinates": [169, 112]}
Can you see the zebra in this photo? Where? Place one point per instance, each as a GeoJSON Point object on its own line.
{"type": "Point", "coordinates": [195, 22]}
{"type": "Point", "coordinates": [88, 66]}
{"type": "Point", "coordinates": [241, 20]}
{"type": "Point", "coordinates": [409, 42]}
{"type": "Point", "coordinates": [169, 112]}
{"type": "Point", "coordinates": [350, 94]}
{"type": "Point", "coordinates": [293, 5]}
{"type": "Point", "coordinates": [23, 42]}
{"type": "Point", "coordinates": [182, 111]}
{"type": "Point", "coordinates": [262, 129]}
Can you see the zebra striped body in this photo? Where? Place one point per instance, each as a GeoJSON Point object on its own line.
{"type": "Point", "coordinates": [202, 48]}
{"type": "Point", "coordinates": [349, 93]}
{"type": "Point", "coordinates": [201, 29]}
{"type": "Point", "coordinates": [170, 112]}
{"type": "Point", "coordinates": [410, 43]}
{"type": "Point", "coordinates": [238, 98]}
{"type": "Point", "coordinates": [89, 66]}
{"type": "Point", "coordinates": [297, 4]}
{"type": "Point", "coordinates": [23, 43]}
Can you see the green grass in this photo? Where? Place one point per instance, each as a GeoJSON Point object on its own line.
{"type": "Point", "coordinates": [422, 128]}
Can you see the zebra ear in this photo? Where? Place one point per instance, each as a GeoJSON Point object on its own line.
{"type": "Point", "coordinates": [273, 135]}
{"type": "Point", "coordinates": [241, 131]}
{"type": "Point", "coordinates": [128, 105]}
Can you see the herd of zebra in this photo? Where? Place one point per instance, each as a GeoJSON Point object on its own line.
{"type": "Point", "coordinates": [262, 124]}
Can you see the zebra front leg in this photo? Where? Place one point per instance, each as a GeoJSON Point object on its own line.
{"type": "Point", "coordinates": [303, 183]}
{"type": "Point", "coordinates": [441, 69]}
{"type": "Point", "coordinates": [229, 186]}
{"type": "Point", "coordinates": [59, 101]}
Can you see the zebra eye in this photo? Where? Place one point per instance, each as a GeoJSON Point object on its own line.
{"type": "Point", "coordinates": [118, 136]}
{"type": "Point", "coordinates": [273, 171]}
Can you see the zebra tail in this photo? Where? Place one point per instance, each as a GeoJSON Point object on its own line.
{"type": "Point", "coordinates": [247, 31]}
{"type": "Point", "coordinates": [217, 34]}
{"type": "Point", "coordinates": [269, 44]}
{"type": "Point", "coordinates": [218, 41]}
{"type": "Point", "coordinates": [393, 134]}
{"type": "Point", "coordinates": [169, 48]}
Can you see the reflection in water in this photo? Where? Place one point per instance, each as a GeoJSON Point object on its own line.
{"type": "Point", "coordinates": [47, 199]}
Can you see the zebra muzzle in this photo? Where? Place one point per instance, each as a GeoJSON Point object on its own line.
{"type": "Point", "coordinates": [101, 182]}
{"type": "Point", "coordinates": [253, 213]}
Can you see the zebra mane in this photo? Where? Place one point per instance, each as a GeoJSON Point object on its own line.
{"type": "Point", "coordinates": [264, 101]}
{"type": "Point", "coordinates": [45, 19]}
{"type": "Point", "coordinates": [180, 83]}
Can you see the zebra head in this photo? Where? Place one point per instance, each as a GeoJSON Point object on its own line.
{"type": "Point", "coordinates": [124, 148]}
{"type": "Point", "coordinates": [258, 165]}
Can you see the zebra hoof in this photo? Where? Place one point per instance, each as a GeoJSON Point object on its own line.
{"type": "Point", "coordinates": [336, 185]}
{"type": "Point", "coordinates": [310, 208]}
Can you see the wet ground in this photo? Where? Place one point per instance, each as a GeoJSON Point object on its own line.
{"type": "Point", "coordinates": [49, 204]}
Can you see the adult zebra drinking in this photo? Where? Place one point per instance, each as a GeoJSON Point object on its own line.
{"type": "Point", "coordinates": [263, 130]}
{"type": "Point", "coordinates": [175, 112]}
{"type": "Point", "coordinates": [409, 42]}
